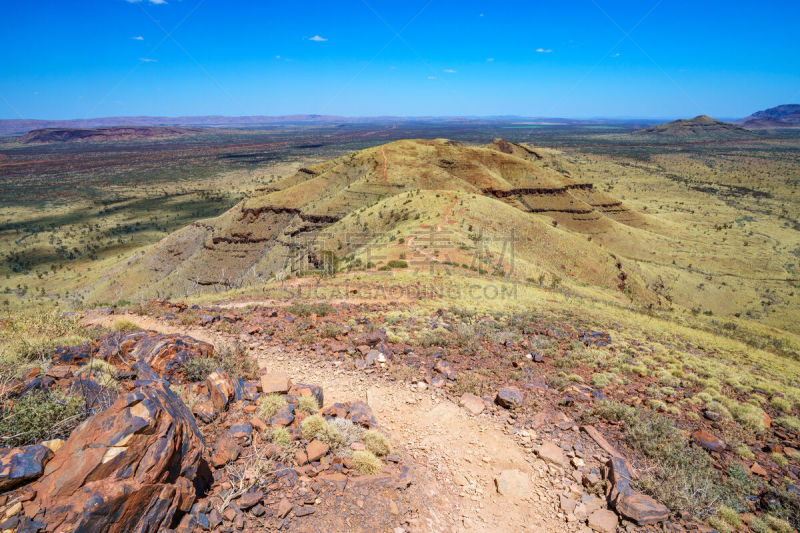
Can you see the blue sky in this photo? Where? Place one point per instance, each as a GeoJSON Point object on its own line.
{"type": "Point", "coordinates": [581, 58]}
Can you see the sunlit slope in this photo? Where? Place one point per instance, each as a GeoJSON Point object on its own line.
{"type": "Point", "coordinates": [476, 202]}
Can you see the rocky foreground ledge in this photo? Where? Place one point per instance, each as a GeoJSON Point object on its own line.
{"type": "Point", "coordinates": [162, 452]}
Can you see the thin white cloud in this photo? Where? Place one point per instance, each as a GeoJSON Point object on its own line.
{"type": "Point", "coordinates": [318, 39]}
{"type": "Point", "coordinates": [277, 57]}
{"type": "Point", "coordinates": [154, 2]}
{"type": "Point", "coordinates": [137, 38]}
{"type": "Point", "coordinates": [431, 77]}
{"type": "Point", "coordinates": [449, 71]}
{"type": "Point", "coordinates": [489, 59]}
{"type": "Point", "coordinates": [616, 55]}
{"type": "Point", "coordinates": [148, 60]}
{"type": "Point", "coordinates": [543, 50]}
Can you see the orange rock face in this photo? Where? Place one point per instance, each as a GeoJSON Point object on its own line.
{"type": "Point", "coordinates": [128, 468]}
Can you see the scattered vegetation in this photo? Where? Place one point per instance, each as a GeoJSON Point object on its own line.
{"type": "Point", "coordinates": [41, 415]}
{"type": "Point", "coordinates": [365, 462]}
{"type": "Point", "coordinates": [376, 442]}
{"type": "Point", "coordinates": [270, 404]}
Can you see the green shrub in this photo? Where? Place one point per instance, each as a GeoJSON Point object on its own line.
{"type": "Point", "coordinates": [719, 524]}
{"type": "Point", "coordinates": [280, 436]}
{"type": "Point", "coordinates": [102, 371]}
{"type": "Point", "coordinates": [330, 331]}
{"type": "Point", "coordinates": [41, 415]}
{"type": "Point", "coordinates": [198, 368]}
{"type": "Point", "coordinates": [730, 516]}
{"type": "Point", "coordinates": [780, 404]}
{"type": "Point", "coordinates": [791, 423]}
{"type": "Point", "coordinates": [270, 404]}
{"type": "Point", "coordinates": [365, 462]}
{"type": "Point", "coordinates": [349, 431]}
{"type": "Point", "coordinates": [744, 451]}
{"type": "Point", "coordinates": [436, 337]}
{"type": "Point", "coordinates": [682, 476]}
{"type": "Point", "coordinates": [305, 309]}
{"type": "Point", "coordinates": [124, 324]}
{"type": "Point", "coordinates": [778, 525]}
{"type": "Point", "coordinates": [316, 427]}
{"type": "Point", "coordinates": [779, 459]}
{"type": "Point", "coordinates": [757, 525]}
{"type": "Point", "coordinates": [395, 263]}
{"type": "Point", "coordinates": [308, 404]}
{"type": "Point", "coordinates": [376, 442]}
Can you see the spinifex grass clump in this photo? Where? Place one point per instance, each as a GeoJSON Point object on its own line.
{"type": "Point", "coordinates": [316, 427]}
{"type": "Point", "coordinates": [41, 415]}
{"type": "Point", "coordinates": [270, 404]}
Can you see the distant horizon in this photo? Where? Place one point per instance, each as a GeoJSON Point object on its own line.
{"type": "Point", "coordinates": [383, 117]}
{"type": "Point", "coordinates": [583, 59]}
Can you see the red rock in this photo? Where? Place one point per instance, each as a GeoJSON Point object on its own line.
{"type": "Point", "coordinates": [604, 521]}
{"type": "Point", "coordinates": [708, 441]}
{"type": "Point", "coordinates": [634, 506]}
{"type": "Point", "coordinates": [59, 372]}
{"type": "Point", "coordinates": [165, 354]}
{"type": "Point", "coordinates": [258, 424]}
{"type": "Point", "coordinates": [471, 403]}
{"type": "Point", "coordinates": [128, 468]}
{"type": "Point", "coordinates": [204, 411]}
{"type": "Point", "coordinates": [277, 382]}
{"type": "Point", "coordinates": [284, 508]}
{"type": "Point", "coordinates": [22, 465]}
{"type": "Point", "coordinates": [221, 389]}
{"type": "Point", "coordinates": [509, 397]}
{"type": "Point", "coordinates": [249, 499]}
{"type": "Point", "coordinates": [226, 449]}
{"type": "Point", "coordinates": [315, 450]}
{"type": "Point", "coordinates": [758, 470]}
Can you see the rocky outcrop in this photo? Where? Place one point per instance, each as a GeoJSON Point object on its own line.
{"type": "Point", "coordinates": [628, 503]}
{"type": "Point", "coordinates": [165, 354]}
{"type": "Point", "coordinates": [128, 468]}
{"type": "Point", "coordinates": [21, 465]}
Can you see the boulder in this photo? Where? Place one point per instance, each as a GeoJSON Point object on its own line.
{"type": "Point", "coordinates": [165, 354]}
{"type": "Point", "coordinates": [550, 452]}
{"type": "Point", "coordinates": [471, 403]}
{"type": "Point", "coordinates": [632, 505]}
{"type": "Point", "coordinates": [513, 484]}
{"type": "Point", "coordinates": [276, 382]}
{"type": "Point", "coordinates": [21, 465]}
{"type": "Point", "coordinates": [604, 521]}
{"type": "Point", "coordinates": [509, 397]}
{"type": "Point", "coordinates": [315, 450]}
{"type": "Point", "coordinates": [131, 467]}
{"type": "Point", "coordinates": [226, 449]}
{"type": "Point", "coordinates": [221, 389]}
{"type": "Point", "coordinates": [204, 411]}
{"type": "Point", "coordinates": [708, 441]}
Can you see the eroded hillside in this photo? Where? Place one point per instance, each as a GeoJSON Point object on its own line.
{"type": "Point", "coordinates": [502, 209]}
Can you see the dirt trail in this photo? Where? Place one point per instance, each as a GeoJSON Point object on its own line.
{"type": "Point", "coordinates": [456, 455]}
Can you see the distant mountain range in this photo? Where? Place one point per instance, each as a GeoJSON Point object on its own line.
{"type": "Point", "coordinates": [698, 128]}
{"type": "Point", "coordinates": [119, 133]}
{"type": "Point", "coordinates": [782, 116]}
{"type": "Point", "coordinates": [12, 127]}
